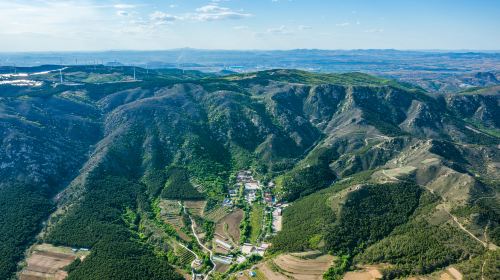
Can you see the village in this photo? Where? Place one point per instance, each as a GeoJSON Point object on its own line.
{"type": "Point", "coordinates": [230, 246]}
{"type": "Point", "coordinates": [243, 225]}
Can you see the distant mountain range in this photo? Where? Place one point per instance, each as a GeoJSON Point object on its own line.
{"type": "Point", "coordinates": [435, 71]}
{"type": "Point", "coordinates": [332, 61]}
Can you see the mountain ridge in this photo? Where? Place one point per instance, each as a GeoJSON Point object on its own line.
{"type": "Point", "coordinates": [305, 131]}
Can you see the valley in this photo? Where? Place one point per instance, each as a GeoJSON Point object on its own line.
{"type": "Point", "coordinates": [276, 174]}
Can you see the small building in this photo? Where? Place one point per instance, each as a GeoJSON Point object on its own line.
{"type": "Point", "coordinates": [241, 259]}
{"type": "Point", "coordinates": [252, 273]}
{"type": "Point", "coordinates": [247, 249]}
{"type": "Point", "coordinates": [277, 212]}
{"type": "Point", "coordinates": [227, 202]}
{"type": "Point", "coordinates": [233, 193]}
{"type": "Point", "coordinates": [264, 246]}
{"type": "Point", "coordinates": [223, 244]}
{"type": "Point", "coordinates": [197, 262]}
{"type": "Point", "coordinates": [253, 185]}
{"type": "Point", "coordinates": [222, 259]}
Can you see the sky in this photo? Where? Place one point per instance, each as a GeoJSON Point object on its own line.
{"type": "Point", "coordinates": [92, 25]}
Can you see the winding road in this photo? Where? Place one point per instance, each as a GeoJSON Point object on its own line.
{"type": "Point", "coordinates": [486, 245]}
{"type": "Point", "coordinates": [455, 219]}
{"type": "Point", "coordinates": [192, 263]}
{"type": "Point", "coordinates": [199, 242]}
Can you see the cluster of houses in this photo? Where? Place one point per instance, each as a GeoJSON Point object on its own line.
{"type": "Point", "coordinates": [251, 187]}
{"type": "Point", "coordinates": [268, 197]}
{"type": "Point", "coordinates": [251, 190]}
{"type": "Point", "coordinates": [248, 249]}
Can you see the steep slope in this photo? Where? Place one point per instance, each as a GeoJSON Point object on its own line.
{"type": "Point", "coordinates": [125, 143]}
{"type": "Point", "coordinates": [46, 137]}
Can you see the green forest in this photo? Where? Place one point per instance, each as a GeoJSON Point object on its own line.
{"type": "Point", "coordinates": [179, 187]}
{"type": "Point", "coordinates": [369, 214]}
{"type": "Point", "coordinates": [22, 210]}
{"type": "Point", "coordinates": [96, 222]}
{"type": "Point", "coordinates": [382, 208]}
{"type": "Point", "coordinates": [118, 150]}
{"type": "Point", "coordinates": [420, 247]}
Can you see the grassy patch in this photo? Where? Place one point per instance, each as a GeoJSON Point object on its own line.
{"type": "Point", "coordinates": [256, 217]}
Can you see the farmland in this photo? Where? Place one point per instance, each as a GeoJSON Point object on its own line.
{"type": "Point", "coordinates": [369, 272]}
{"type": "Point", "coordinates": [229, 226]}
{"type": "Point", "coordinates": [256, 221]}
{"type": "Point", "coordinates": [196, 207]}
{"type": "Point", "coordinates": [48, 262]}
{"type": "Point", "coordinates": [171, 214]}
{"type": "Point", "coordinates": [303, 266]}
{"type": "Point", "coordinates": [216, 214]}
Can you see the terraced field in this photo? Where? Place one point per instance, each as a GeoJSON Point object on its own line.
{"type": "Point", "coordinates": [370, 272]}
{"type": "Point", "coordinates": [229, 226]}
{"type": "Point", "coordinates": [291, 266]}
{"type": "Point", "coordinates": [171, 214]}
{"type": "Point", "coordinates": [48, 262]}
{"type": "Point", "coordinates": [216, 214]}
{"type": "Point", "coordinates": [184, 255]}
{"type": "Point", "coordinates": [196, 207]}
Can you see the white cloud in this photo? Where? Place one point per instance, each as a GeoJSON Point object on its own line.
{"type": "Point", "coordinates": [124, 6]}
{"type": "Point", "coordinates": [304, 27]}
{"type": "Point", "coordinates": [240, 27]}
{"type": "Point", "coordinates": [48, 17]}
{"type": "Point", "coordinates": [281, 30]}
{"type": "Point", "coordinates": [343, 24]}
{"type": "Point", "coordinates": [213, 11]}
{"type": "Point", "coordinates": [122, 13]}
{"type": "Point", "coordinates": [210, 12]}
{"type": "Point", "coordinates": [374, 30]}
{"type": "Point", "coordinates": [159, 17]}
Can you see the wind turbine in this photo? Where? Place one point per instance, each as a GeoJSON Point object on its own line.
{"type": "Point", "coordinates": [61, 76]}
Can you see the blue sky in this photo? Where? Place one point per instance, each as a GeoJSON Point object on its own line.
{"type": "Point", "coordinates": [50, 25]}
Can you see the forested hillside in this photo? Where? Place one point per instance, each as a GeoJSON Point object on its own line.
{"type": "Point", "coordinates": [375, 171]}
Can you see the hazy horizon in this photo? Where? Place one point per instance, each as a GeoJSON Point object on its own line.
{"type": "Point", "coordinates": [90, 25]}
{"type": "Point", "coordinates": [255, 50]}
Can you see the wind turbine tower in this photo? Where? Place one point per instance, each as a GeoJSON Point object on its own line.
{"type": "Point", "coordinates": [60, 76]}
